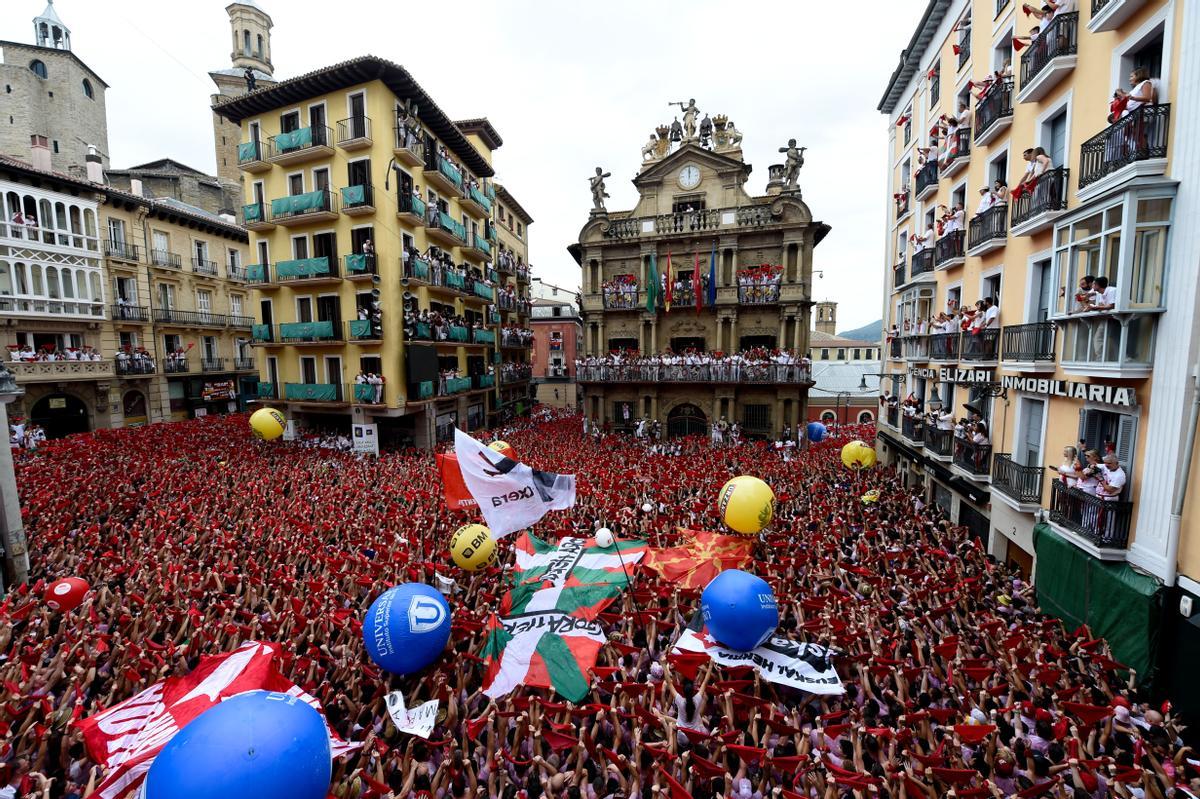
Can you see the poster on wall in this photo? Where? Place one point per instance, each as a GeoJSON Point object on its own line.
{"type": "Point", "coordinates": [218, 390]}
{"type": "Point", "coordinates": [200, 413]}
{"type": "Point", "coordinates": [366, 438]}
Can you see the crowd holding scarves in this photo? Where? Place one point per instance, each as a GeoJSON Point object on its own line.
{"type": "Point", "coordinates": [196, 539]}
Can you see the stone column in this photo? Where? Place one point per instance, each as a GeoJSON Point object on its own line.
{"type": "Point", "coordinates": [733, 339]}
{"type": "Point", "coordinates": [12, 527]}
{"type": "Point", "coordinates": [779, 340]}
{"type": "Point", "coordinates": [796, 333]}
{"type": "Point", "coordinates": [602, 343]}
{"type": "Point", "coordinates": [654, 406]}
{"type": "Point", "coordinates": [653, 335]}
{"type": "Point", "coordinates": [717, 345]}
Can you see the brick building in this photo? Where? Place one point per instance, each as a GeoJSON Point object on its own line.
{"type": "Point", "coordinates": [557, 331]}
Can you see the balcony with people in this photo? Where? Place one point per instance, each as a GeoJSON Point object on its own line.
{"type": "Point", "coordinates": [620, 294]}
{"type": "Point", "coordinates": [950, 250]}
{"type": "Point", "coordinates": [758, 285]}
{"type": "Point", "coordinates": [1134, 145]}
{"type": "Point", "coordinates": [1050, 51]}
{"type": "Point", "coordinates": [133, 361]}
{"type": "Point", "coordinates": [361, 266]}
{"type": "Point", "coordinates": [354, 133]}
{"type": "Point", "coordinates": [912, 427]}
{"type": "Point", "coordinates": [957, 154]}
{"type": "Point", "coordinates": [441, 173]}
{"type": "Point", "coordinates": [755, 366]}
{"type": "Point", "coordinates": [972, 457]}
{"type": "Point", "coordinates": [1090, 502]}
{"type": "Point", "coordinates": [301, 145]}
{"type": "Point", "coordinates": [409, 145]}
{"type": "Point", "coordinates": [988, 228]}
{"type": "Point", "coordinates": [923, 261]}
{"type": "Point", "coordinates": [1028, 347]}
{"type": "Point", "coordinates": [939, 433]}
{"type": "Point", "coordinates": [473, 199]}
{"type": "Point", "coordinates": [1040, 196]}
{"type": "Point", "coordinates": [305, 208]}
{"type": "Point", "coordinates": [326, 331]}
{"type": "Point", "coordinates": [411, 208]}
{"type": "Point", "coordinates": [1020, 485]}
{"type": "Point", "coordinates": [944, 346]}
{"type": "Point", "coordinates": [915, 345]}
{"type": "Point", "coordinates": [902, 200]}
{"type": "Point", "coordinates": [443, 229]}
{"type": "Point", "coordinates": [993, 108]}
{"type": "Point", "coordinates": [927, 179]}
{"type": "Point", "coordinates": [514, 337]}
{"type": "Point", "coordinates": [126, 311]}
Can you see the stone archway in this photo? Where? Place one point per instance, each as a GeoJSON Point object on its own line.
{"type": "Point", "coordinates": [60, 415]}
{"type": "Point", "coordinates": [686, 419]}
{"type": "Point", "coordinates": [135, 409]}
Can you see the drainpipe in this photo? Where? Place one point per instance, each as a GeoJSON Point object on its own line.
{"type": "Point", "coordinates": [1189, 444]}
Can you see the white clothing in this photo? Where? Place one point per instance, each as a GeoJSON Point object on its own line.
{"type": "Point", "coordinates": [1146, 87]}
{"type": "Point", "coordinates": [991, 317]}
{"type": "Point", "coordinates": [1114, 478]}
{"type": "Point", "coordinates": [1106, 297]}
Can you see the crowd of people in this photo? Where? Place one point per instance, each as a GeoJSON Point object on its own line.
{"type": "Point", "coordinates": [758, 364]}
{"type": "Point", "coordinates": [979, 322]}
{"type": "Point", "coordinates": [516, 336]}
{"type": "Point", "coordinates": [760, 284]}
{"type": "Point", "coordinates": [25, 435]}
{"type": "Point", "coordinates": [26, 353]}
{"type": "Point", "coordinates": [620, 293]}
{"type": "Point", "coordinates": [195, 538]}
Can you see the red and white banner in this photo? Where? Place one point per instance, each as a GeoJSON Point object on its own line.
{"type": "Point", "coordinates": [127, 737]}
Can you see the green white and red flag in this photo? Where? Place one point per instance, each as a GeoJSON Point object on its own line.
{"type": "Point", "coordinates": [541, 649]}
{"type": "Point", "coordinates": [575, 562]}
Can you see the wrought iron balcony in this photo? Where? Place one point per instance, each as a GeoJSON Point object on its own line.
{"type": "Point", "coordinates": [252, 156]}
{"type": "Point", "coordinates": [203, 266]}
{"type": "Point", "coordinates": [133, 366]}
{"type": "Point", "coordinates": [130, 313]}
{"type": "Point", "coordinates": [964, 49]}
{"type": "Point", "coordinates": [902, 202]}
{"type": "Point", "coordinates": [360, 266]}
{"type": "Point", "coordinates": [980, 346]}
{"type": "Point", "coordinates": [302, 144]}
{"type": "Point", "coordinates": [922, 262]}
{"type": "Point", "coordinates": [236, 272]}
{"type": "Point", "coordinates": [1031, 343]}
{"type": "Point", "coordinates": [916, 348]}
{"type": "Point", "coordinates": [993, 112]}
{"type": "Point", "coordinates": [959, 154]}
{"type": "Point", "coordinates": [411, 208]}
{"type": "Point", "coordinates": [1140, 136]}
{"type": "Point", "coordinates": [927, 179]}
{"type": "Point", "coordinates": [409, 147]}
{"type": "Point", "coordinates": [1022, 484]}
{"type": "Point", "coordinates": [314, 392]}
{"type": "Point", "coordinates": [943, 346]}
{"type": "Point", "coordinates": [358, 200]}
{"type": "Point", "coordinates": [1102, 522]}
{"type": "Point", "coordinates": [1036, 209]}
{"type": "Point", "coordinates": [913, 428]}
{"type": "Point", "coordinates": [166, 258]}
{"type": "Point", "coordinates": [239, 321]}
{"type": "Point", "coordinates": [176, 365]}
{"type": "Point", "coordinates": [974, 459]}
{"type": "Point", "coordinates": [173, 316]}
{"type": "Point", "coordinates": [257, 216]}
{"type": "Point", "coordinates": [244, 365]}
{"type": "Point", "coordinates": [892, 416]}
{"type": "Point", "coordinates": [988, 231]}
{"type": "Point", "coordinates": [939, 442]}
{"type": "Point", "coordinates": [1049, 57]}
{"type": "Point", "coordinates": [212, 365]}
{"type": "Point", "coordinates": [121, 250]}
{"type": "Point", "coordinates": [746, 373]}
{"type": "Point", "coordinates": [311, 206]}
{"type": "Point", "coordinates": [950, 249]}
{"type": "Point", "coordinates": [309, 332]}
{"type": "Point", "coordinates": [354, 133]}
{"type": "Point", "coordinates": [323, 268]}
{"type": "Point", "coordinates": [899, 274]}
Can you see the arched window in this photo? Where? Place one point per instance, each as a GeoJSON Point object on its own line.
{"type": "Point", "coordinates": [52, 283]}
{"type": "Point", "coordinates": [38, 68]}
{"type": "Point", "coordinates": [865, 417]}
{"type": "Point", "coordinates": [245, 42]}
{"type": "Point", "coordinates": [87, 89]}
{"type": "Point", "coordinates": [68, 284]}
{"type": "Point", "coordinates": [260, 52]}
{"type": "Point", "coordinates": [6, 285]}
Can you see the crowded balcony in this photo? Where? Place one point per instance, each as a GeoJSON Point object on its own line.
{"type": "Point", "coordinates": [916, 348]}
{"type": "Point", "coordinates": [135, 364]}
{"type": "Point", "coordinates": [177, 363]}
{"type": "Point", "coordinates": [1134, 146]}
{"type": "Point", "coordinates": [409, 146]}
{"type": "Point", "coordinates": [959, 153]}
{"type": "Point", "coordinates": [212, 364]}
{"type": "Point", "coordinates": [1028, 348]}
{"type": "Point", "coordinates": [411, 208]}
{"type": "Point", "coordinates": [257, 216]}
{"type": "Point", "coordinates": [1101, 524]}
{"type": "Point", "coordinates": [944, 347]}
{"type": "Point", "coordinates": [949, 251]}
{"type": "Point", "coordinates": [360, 266]}
{"type": "Point", "coordinates": [301, 145]}
{"type": "Point", "coordinates": [358, 200]}
{"type": "Point", "coordinates": [475, 202]}
{"type": "Point", "coordinates": [1019, 486]}
{"type": "Point", "coordinates": [939, 443]}
{"type": "Point", "coordinates": [364, 330]}
{"type": "Point", "coordinates": [987, 231]}
{"type": "Point", "coordinates": [304, 209]}
{"type": "Point", "coordinates": [252, 156]}
{"type": "Point", "coordinates": [203, 266]}
{"type": "Point", "coordinates": [479, 248]}
{"type": "Point", "coordinates": [258, 273]}
{"type": "Point", "coordinates": [980, 346]}
{"type": "Point", "coordinates": [746, 373]}
{"type": "Point", "coordinates": [927, 179]}
{"type": "Point", "coordinates": [315, 392]}
{"type": "Point", "coordinates": [442, 175]}
{"type": "Point", "coordinates": [354, 133]}
{"type": "Point", "coordinates": [307, 271]}
{"type": "Point", "coordinates": [174, 316]}
{"type": "Point", "coordinates": [902, 199]}
{"type": "Point", "coordinates": [166, 258]}
{"type": "Point", "coordinates": [1109, 15]}
{"type": "Point", "coordinates": [124, 312]}
{"type": "Point", "coordinates": [516, 338]}
{"type": "Point", "coordinates": [435, 275]}
{"type": "Point", "coordinates": [322, 332]}
{"type": "Point", "coordinates": [994, 111]}
{"type": "Point", "coordinates": [522, 273]}
{"type": "Point", "coordinates": [972, 460]}
{"type": "Point", "coordinates": [759, 285]}
{"type": "Point", "coordinates": [515, 373]}
{"type": "Point", "coordinates": [1050, 57]}
{"type": "Point", "coordinates": [1036, 208]}
{"type": "Point", "coordinates": [121, 250]}
{"type": "Point", "coordinates": [923, 264]}
{"type": "Point", "coordinates": [60, 370]}
{"type": "Point", "coordinates": [620, 294]}
{"type": "Point", "coordinates": [912, 428]}
{"type": "Point", "coordinates": [445, 230]}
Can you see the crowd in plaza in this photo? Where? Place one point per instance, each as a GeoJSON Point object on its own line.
{"type": "Point", "coordinates": [195, 538]}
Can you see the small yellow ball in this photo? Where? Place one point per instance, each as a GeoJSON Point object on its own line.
{"type": "Point", "coordinates": [267, 424]}
{"type": "Point", "coordinates": [746, 504]}
{"type": "Point", "coordinates": [472, 547]}
{"type": "Point", "coordinates": [858, 455]}
{"type": "Point", "coordinates": [504, 448]}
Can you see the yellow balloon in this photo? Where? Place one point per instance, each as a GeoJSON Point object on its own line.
{"type": "Point", "coordinates": [858, 455]}
{"type": "Point", "coordinates": [746, 504]}
{"type": "Point", "coordinates": [472, 547]}
{"type": "Point", "coordinates": [871, 496]}
{"type": "Point", "coordinates": [504, 448]}
{"type": "Point", "coordinates": [267, 424]}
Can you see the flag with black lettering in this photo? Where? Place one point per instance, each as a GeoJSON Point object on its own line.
{"type": "Point", "coordinates": [575, 561]}
{"type": "Point", "coordinates": [543, 647]}
{"type": "Point", "coordinates": [511, 495]}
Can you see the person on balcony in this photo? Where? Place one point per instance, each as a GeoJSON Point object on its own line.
{"type": "Point", "coordinates": [1103, 296]}
{"type": "Point", "coordinates": [1112, 479]}
{"type": "Point", "coordinates": [1037, 162]}
{"type": "Point", "coordinates": [1069, 469]}
{"type": "Point", "coordinates": [1000, 192]}
{"type": "Point", "coordinates": [1088, 478]}
{"type": "Point", "coordinates": [987, 201]}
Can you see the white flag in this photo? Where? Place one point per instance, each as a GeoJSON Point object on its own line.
{"type": "Point", "coordinates": [419, 721]}
{"type": "Point", "coordinates": [511, 495]}
{"type": "Point", "coordinates": [808, 667]}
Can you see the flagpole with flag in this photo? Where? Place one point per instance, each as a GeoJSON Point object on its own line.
{"type": "Point", "coordinates": [697, 289]}
{"type": "Point", "coordinates": [652, 286]}
{"type": "Point", "coordinates": [670, 293]}
{"type": "Point", "coordinates": [712, 275]}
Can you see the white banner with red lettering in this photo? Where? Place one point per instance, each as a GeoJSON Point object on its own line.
{"type": "Point", "coordinates": [126, 737]}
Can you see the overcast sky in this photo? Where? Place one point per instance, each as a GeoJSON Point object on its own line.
{"type": "Point", "coordinates": [569, 85]}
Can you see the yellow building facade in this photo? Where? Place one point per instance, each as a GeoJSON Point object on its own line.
{"type": "Point", "coordinates": [372, 240]}
{"type": "Point", "coordinates": [512, 264]}
{"type": "Point", "coordinates": [1017, 175]}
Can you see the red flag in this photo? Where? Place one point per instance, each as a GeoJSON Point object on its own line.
{"type": "Point", "coordinates": [696, 288]}
{"type": "Point", "coordinates": [1088, 714]}
{"type": "Point", "coordinates": [670, 282]}
{"type": "Point", "coordinates": [699, 558]}
{"type": "Point", "coordinates": [973, 733]}
{"type": "Point", "coordinates": [1018, 45]}
{"type": "Point", "coordinates": [677, 790]}
{"type": "Point", "coordinates": [457, 495]}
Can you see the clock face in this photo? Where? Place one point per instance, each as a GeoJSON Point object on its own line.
{"type": "Point", "coordinates": [689, 176]}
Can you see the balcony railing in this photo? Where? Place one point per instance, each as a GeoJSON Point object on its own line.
{"type": "Point", "coordinates": [237, 320]}
{"type": "Point", "coordinates": [121, 249]}
{"type": "Point", "coordinates": [359, 264]}
{"type": "Point", "coordinates": [166, 258]}
{"type": "Point", "coordinates": [480, 199]}
{"type": "Point", "coordinates": [922, 262]}
{"type": "Point", "coordinates": [991, 225]}
{"type": "Point", "coordinates": [913, 428]}
{"type": "Point", "coordinates": [1059, 38]}
{"type": "Point", "coordinates": [960, 150]}
{"type": "Point", "coordinates": [902, 201]}
{"type": "Point", "coordinates": [363, 330]}
{"type": "Point", "coordinates": [899, 274]}
{"type": "Point", "coordinates": [482, 244]}
{"type": "Point", "coordinates": [236, 272]}
{"type": "Point", "coordinates": [1028, 343]}
{"type": "Point", "coordinates": [1048, 194]}
{"type": "Point", "coordinates": [695, 373]}
{"type": "Point", "coordinates": [176, 365]}
{"type": "Point", "coordinates": [310, 202]}
{"type": "Point", "coordinates": [944, 346]}
{"type": "Point", "coordinates": [262, 334]}
{"type": "Point", "coordinates": [927, 176]}
{"type": "Point", "coordinates": [688, 221]}
{"type": "Point", "coordinates": [964, 49]}
{"type": "Point", "coordinates": [357, 198]}
{"type": "Point", "coordinates": [624, 298]}
{"type": "Point", "coordinates": [410, 203]}
{"type": "Point", "coordinates": [892, 416]}
{"type": "Point", "coordinates": [266, 391]}
{"type": "Point", "coordinates": [173, 316]}
{"type": "Point", "coordinates": [980, 346]}
{"type": "Point", "coordinates": [244, 364]}
{"type": "Point", "coordinates": [894, 348]}
{"type": "Point", "coordinates": [452, 226]}
{"type": "Point", "coordinates": [203, 266]}
{"type": "Point", "coordinates": [306, 269]}
{"type": "Point", "coordinates": [256, 214]}
{"type": "Point", "coordinates": [60, 370]}
{"type": "Point", "coordinates": [975, 459]}
{"type": "Point", "coordinates": [1021, 483]}
{"type": "Point", "coordinates": [916, 347]}
{"type": "Point", "coordinates": [1103, 522]}
{"type": "Point", "coordinates": [1139, 136]}
{"type": "Point", "coordinates": [212, 365]}
{"type": "Point", "coordinates": [127, 365]}
{"type": "Point", "coordinates": [258, 273]}
{"type": "Point", "coordinates": [354, 129]}
{"type": "Point", "coordinates": [308, 332]}
{"type": "Point", "coordinates": [995, 105]}
{"type": "Point", "coordinates": [950, 247]}
{"type": "Point", "coordinates": [314, 392]}
{"type": "Point", "coordinates": [408, 137]}
{"type": "Point", "coordinates": [130, 313]}
{"type": "Point", "coordinates": [299, 140]}
{"type": "Point", "coordinates": [250, 151]}
{"type": "Point", "coordinates": [939, 441]}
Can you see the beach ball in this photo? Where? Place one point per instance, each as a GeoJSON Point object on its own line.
{"type": "Point", "coordinates": [646, 508]}
{"type": "Point", "coordinates": [739, 609]}
{"type": "Point", "coordinates": [267, 424]}
{"type": "Point", "coordinates": [604, 537]}
{"type": "Point", "coordinates": [858, 455]}
{"type": "Point", "coordinates": [504, 448]}
{"type": "Point", "coordinates": [472, 547]}
{"type": "Point", "coordinates": [66, 594]}
{"type": "Point", "coordinates": [817, 432]}
{"type": "Point", "coordinates": [259, 744]}
{"type": "Point", "coordinates": [407, 628]}
{"type": "Point", "coordinates": [746, 504]}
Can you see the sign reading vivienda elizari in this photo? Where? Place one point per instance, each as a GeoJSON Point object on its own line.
{"type": "Point", "coordinates": [955, 375]}
{"type": "Point", "coordinates": [1091, 392]}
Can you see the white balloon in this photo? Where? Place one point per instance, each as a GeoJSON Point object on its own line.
{"type": "Point", "coordinates": [647, 508]}
{"type": "Point", "coordinates": [604, 537]}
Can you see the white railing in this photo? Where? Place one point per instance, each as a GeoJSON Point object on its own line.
{"type": "Point", "coordinates": [61, 370]}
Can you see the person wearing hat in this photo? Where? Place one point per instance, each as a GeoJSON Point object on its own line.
{"type": "Point", "coordinates": [986, 200]}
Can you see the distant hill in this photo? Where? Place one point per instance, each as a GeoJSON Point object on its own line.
{"type": "Point", "coordinates": [871, 332]}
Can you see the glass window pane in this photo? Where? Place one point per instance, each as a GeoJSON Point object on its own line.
{"type": "Point", "coordinates": [1110, 266]}
{"type": "Point", "coordinates": [1112, 217]}
{"type": "Point", "coordinates": [1066, 282]}
{"type": "Point", "coordinates": [1156, 210]}
{"type": "Point", "coordinates": [1138, 339]}
{"type": "Point", "coordinates": [1086, 227]}
{"type": "Point", "coordinates": [1149, 264]}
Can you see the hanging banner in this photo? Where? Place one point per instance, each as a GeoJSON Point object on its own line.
{"type": "Point", "coordinates": [366, 438]}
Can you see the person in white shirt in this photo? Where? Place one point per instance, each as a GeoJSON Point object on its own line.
{"type": "Point", "coordinates": [1089, 475]}
{"type": "Point", "coordinates": [1069, 466]}
{"type": "Point", "coordinates": [1112, 479]}
{"type": "Point", "coordinates": [1104, 296]}
{"type": "Point", "coordinates": [986, 200]}
{"type": "Point", "coordinates": [991, 314]}
{"type": "Point", "coordinates": [954, 220]}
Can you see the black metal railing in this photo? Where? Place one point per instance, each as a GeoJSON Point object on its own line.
{"type": "Point", "coordinates": [121, 249]}
{"type": "Point", "coordinates": [173, 316]}
{"type": "Point", "coordinates": [922, 262]}
{"type": "Point", "coordinates": [1048, 194]}
{"type": "Point", "coordinates": [244, 364]}
{"type": "Point", "coordinates": [236, 272]}
{"type": "Point", "coordinates": [991, 225]}
{"type": "Point", "coordinates": [893, 416]}
{"type": "Point", "coordinates": [203, 266]}
{"type": "Point", "coordinates": [939, 441]}
{"type": "Point", "coordinates": [408, 137]}
{"type": "Point", "coordinates": [1138, 136]}
{"type": "Point", "coordinates": [980, 346]}
{"type": "Point", "coordinates": [166, 258]}
{"type": "Point", "coordinates": [902, 203]}
{"type": "Point", "coordinates": [1060, 38]}
{"type": "Point", "coordinates": [964, 49]}
{"type": "Point", "coordinates": [950, 246]}
{"type": "Point", "coordinates": [134, 365]}
{"type": "Point", "coordinates": [325, 203]}
{"type": "Point", "coordinates": [130, 313]}
{"type": "Point", "coordinates": [973, 458]}
{"type": "Point", "coordinates": [960, 151]}
{"type": "Point", "coordinates": [996, 104]}
{"type": "Point", "coordinates": [353, 128]}
{"type": "Point", "coordinates": [1031, 342]}
{"type": "Point", "coordinates": [212, 364]}
{"type": "Point", "coordinates": [237, 320]}
{"type": "Point", "coordinates": [913, 428]}
{"type": "Point", "coordinates": [935, 86]}
{"type": "Point", "coordinates": [352, 200]}
{"type": "Point", "coordinates": [175, 365]}
{"type": "Point", "coordinates": [286, 143]}
{"type": "Point", "coordinates": [1104, 522]}
{"type": "Point", "coordinates": [1022, 483]}
{"type": "Point", "coordinates": [927, 176]}
{"type": "Point", "coordinates": [944, 346]}
{"type": "Point", "coordinates": [899, 274]}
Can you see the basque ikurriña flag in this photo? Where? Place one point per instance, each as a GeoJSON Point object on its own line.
{"type": "Point", "coordinates": [574, 561]}
{"type": "Point", "coordinates": [548, 648]}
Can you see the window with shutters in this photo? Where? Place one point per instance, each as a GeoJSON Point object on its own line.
{"type": "Point", "coordinates": [756, 418]}
{"type": "Point", "coordinates": [1106, 431]}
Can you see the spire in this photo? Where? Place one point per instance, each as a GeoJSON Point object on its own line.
{"type": "Point", "coordinates": [50, 31]}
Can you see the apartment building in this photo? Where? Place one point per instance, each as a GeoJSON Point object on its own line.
{"type": "Point", "coordinates": [513, 299]}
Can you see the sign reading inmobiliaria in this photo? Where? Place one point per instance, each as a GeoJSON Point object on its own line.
{"type": "Point", "coordinates": [127, 737]}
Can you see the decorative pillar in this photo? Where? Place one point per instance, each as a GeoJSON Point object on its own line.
{"type": "Point", "coordinates": [653, 336]}
{"type": "Point", "coordinates": [780, 341]}
{"type": "Point", "coordinates": [733, 339]}
{"type": "Point", "coordinates": [12, 527]}
{"type": "Point", "coordinates": [796, 333]}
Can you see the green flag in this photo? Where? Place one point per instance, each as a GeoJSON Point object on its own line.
{"type": "Point", "coordinates": [652, 286]}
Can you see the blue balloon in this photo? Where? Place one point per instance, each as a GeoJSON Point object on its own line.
{"type": "Point", "coordinates": [407, 628]}
{"type": "Point", "coordinates": [817, 432]}
{"type": "Point", "coordinates": [256, 745]}
{"type": "Point", "coordinates": [739, 609]}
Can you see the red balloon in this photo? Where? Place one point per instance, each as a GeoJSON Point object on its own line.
{"type": "Point", "coordinates": [66, 594]}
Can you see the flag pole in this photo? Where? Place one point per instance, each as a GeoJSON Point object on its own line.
{"type": "Point", "coordinates": [628, 579]}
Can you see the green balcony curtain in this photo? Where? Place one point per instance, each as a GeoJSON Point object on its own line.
{"type": "Point", "coordinates": [303, 267]}
{"type": "Point", "coordinates": [483, 244]}
{"type": "Point", "coordinates": [360, 328]}
{"type": "Point", "coordinates": [478, 197]}
{"type": "Point", "coordinates": [454, 227]}
{"type": "Point", "coordinates": [298, 203]}
{"type": "Point", "coordinates": [424, 331]}
{"type": "Point", "coordinates": [419, 269]}
{"type": "Point", "coordinates": [364, 392]}
{"type": "Point", "coordinates": [483, 289]}
{"type": "Point", "coordinates": [306, 330]}
{"type": "Point", "coordinates": [247, 151]}
{"type": "Point", "coordinates": [256, 273]}
{"type": "Point", "coordinates": [418, 206]}
{"type": "Point", "coordinates": [252, 212]}
{"type": "Point", "coordinates": [458, 333]}
{"type": "Point", "coordinates": [495, 357]}
{"type": "Point", "coordinates": [456, 281]}
{"type": "Point", "coordinates": [495, 317]}
{"type": "Point", "coordinates": [354, 195]}
{"type": "Point", "coordinates": [261, 332]}
{"type": "Point", "coordinates": [294, 140]}
{"type": "Point", "coordinates": [266, 390]}
{"type": "Point", "coordinates": [454, 385]}
{"type": "Point", "coordinates": [321, 392]}
{"type": "Point", "coordinates": [356, 262]}
{"type": "Point", "coordinates": [449, 170]}
{"type": "Point", "coordinates": [487, 381]}
{"type": "Point", "coordinates": [484, 337]}
{"type": "Point", "coordinates": [425, 390]}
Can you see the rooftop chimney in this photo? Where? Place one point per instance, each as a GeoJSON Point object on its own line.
{"type": "Point", "coordinates": [95, 169]}
{"type": "Point", "coordinates": [39, 152]}
{"type": "Point", "coordinates": [135, 186]}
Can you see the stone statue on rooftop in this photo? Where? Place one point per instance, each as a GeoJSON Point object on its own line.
{"type": "Point", "coordinates": [676, 131]}
{"type": "Point", "coordinates": [598, 192]}
{"type": "Point", "coordinates": [791, 167]}
{"type": "Point", "coordinates": [650, 147]}
{"type": "Point", "coordinates": [706, 131]}
{"type": "Point", "coordinates": [689, 117]}
{"type": "Point", "coordinates": [733, 136]}
{"type": "Point", "coordinates": [663, 145]}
